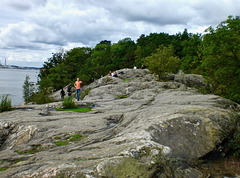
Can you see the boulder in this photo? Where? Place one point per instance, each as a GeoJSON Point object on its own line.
{"type": "Point", "coordinates": [132, 115]}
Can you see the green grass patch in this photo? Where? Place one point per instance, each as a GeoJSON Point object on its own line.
{"type": "Point", "coordinates": [3, 169]}
{"type": "Point", "coordinates": [122, 96]}
{"type": "Point", "coordinates": [79, 109]}
{"type": "Point", "coordinates": [61, 143]}
{"type": "Point", "coordinates": [69, 139]}
{"type": "Point", "coordinates": [127, 79]}
{"type": "Point", "coordinates": [76, 137]}
{"type": "Point", "coordinates": [33, 150]}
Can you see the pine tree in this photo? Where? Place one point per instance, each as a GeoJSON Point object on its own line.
{"type": "Point", "coordinates": [28, 89]}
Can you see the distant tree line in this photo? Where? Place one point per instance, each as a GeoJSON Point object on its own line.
{"type": "Point", "coordinates": [215, 55]}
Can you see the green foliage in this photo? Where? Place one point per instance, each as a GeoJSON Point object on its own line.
{"type": "Point", "coordinates": [191, 54]}
{"type": "Point", "coordinates": [123, 53]}
{"type": "Point", "coordinates": [28, 89]}
{"type": "Point", "coordinates": [68, 103]}
{"type": "Point", "coordinates": [76, 137]}
{"type": "Point", "coordinates": [61, 143]}
{"type": "Point", "coordinates": [214, 55]}
{"type": "Point", "coordinates": [5, 103]}
{"type": "Point", "coordinates": [76, 109]}
{"type": "Point", "coordinates": [122, 96]}
{"type": "Point", "coordinates": [42, 97]}
{"type": "Point", "coordinates": [162, 61]}
{"type": "Point", "coordinates": [71, 138]}
{"type": "Point", "coordinates": [127, 79]}
{"type": "Point", "coordinates": [34, 149]}
{"type": "Point", "coordinates": [3, 169]}
{"type": "Point", "coordinates": [221, 58]}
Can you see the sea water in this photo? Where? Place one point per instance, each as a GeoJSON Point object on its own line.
{"type": "Point", "coordinates": [12, 81]}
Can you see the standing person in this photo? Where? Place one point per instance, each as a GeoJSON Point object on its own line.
{"type": "Point", "coordinates": [62, 93]}
{"type": "Point", "coordinates": [78, 86]}
{"type": "Point", "coordinates": [69, 90]}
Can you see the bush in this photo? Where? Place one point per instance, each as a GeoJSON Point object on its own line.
{"type": "Point", "coordinates": [5, 104]}
{"type": "Point", "coordinates": [68, 103]}
{"type": "Point", "coordinates": [162, 62]}
{"type": "Point", "coordinates": [41, 97]}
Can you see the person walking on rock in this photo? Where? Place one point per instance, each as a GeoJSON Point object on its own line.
{"type": "Point", "coordinates": [78, 86]}
{"type": "Point", "coordinates": [62, 93]}
{"type": "Point", "coordinates": [69, 90]}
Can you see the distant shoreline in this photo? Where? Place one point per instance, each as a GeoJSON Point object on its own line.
{"type": "Point", "coordinates": [17, 67]}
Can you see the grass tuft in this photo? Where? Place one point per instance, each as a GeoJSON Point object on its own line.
{"type": "Point", "coordinates": [79, 109]}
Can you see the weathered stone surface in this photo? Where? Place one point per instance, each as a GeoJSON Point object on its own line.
{"type": "Point", "coordinates": [127, 116]}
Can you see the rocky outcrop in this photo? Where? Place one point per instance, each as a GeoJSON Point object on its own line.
{"type": "Point", "coordinates": [132, 115]}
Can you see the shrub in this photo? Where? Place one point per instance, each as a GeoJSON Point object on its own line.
{"type": "Point", "coordinates": [41, 97]}
{"type": "Point", "coordinates": [162, 62]}
{"type": "Point", "coordinates": [5, 104]}
{"type": "Point", "coordinates": [68, 103]}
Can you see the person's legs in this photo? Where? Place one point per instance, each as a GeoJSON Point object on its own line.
{"type": "Point", "coordinates": [78, 94]}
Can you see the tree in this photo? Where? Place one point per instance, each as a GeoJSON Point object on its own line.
{"type": "Point", "coordinates": [28, 89]}
{"type": "Point", "coordinates": [162, 61]}
{"type": "Point", "coordinates": [221, 63]}
{"type": "Point", "coordinates": [191, 53]}
{"type": "Point", "coordinates": [100, 59]}
{"type": "Point", "coordinates": [123, 53]}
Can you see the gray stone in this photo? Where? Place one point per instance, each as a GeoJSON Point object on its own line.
{"type": "Point", "coordinates": [128, 116]}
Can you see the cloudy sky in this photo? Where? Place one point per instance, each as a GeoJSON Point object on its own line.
{"type": "Point", "coordinates": [31, 30]}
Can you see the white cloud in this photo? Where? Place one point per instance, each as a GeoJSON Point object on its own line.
{"type": "Point", "coordinates": [32, 30]}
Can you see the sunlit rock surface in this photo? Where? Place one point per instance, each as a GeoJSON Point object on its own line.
{"type": "Point", "coordinates": [129, 113]}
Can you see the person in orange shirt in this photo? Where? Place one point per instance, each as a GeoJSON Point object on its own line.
{"type": "Point", "coordinates": [77, 85]}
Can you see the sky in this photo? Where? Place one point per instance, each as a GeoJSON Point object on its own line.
{"type": "Point", "coordinates": [32, 30]}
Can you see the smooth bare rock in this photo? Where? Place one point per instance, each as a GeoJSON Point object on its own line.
{"type": "Point", "coordinates": [190, 80]}
{"type": "Point", "coordinates": [127, 117]}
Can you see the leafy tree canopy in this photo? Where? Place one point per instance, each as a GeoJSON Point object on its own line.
{"type": "Point", "coordinates": [162, 61]}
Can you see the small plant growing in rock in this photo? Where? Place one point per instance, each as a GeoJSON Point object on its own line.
{"type": "Point", "coordinates": [76, 137]}
{"type": "Point", "coordinates": [127, 79]}
{"type": "Point", "coordinates": [61, 143]}
{"type": "Point", "coordinates": [68, 103]}
{"type": "Point", "coordinates": [5, 104]}
{"type": "Point", "coordinates": [85, 93]}
{"type": "Point", "coordinates": [69, 138]}
{"type": "Point", "coordinates": [122, 96]}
